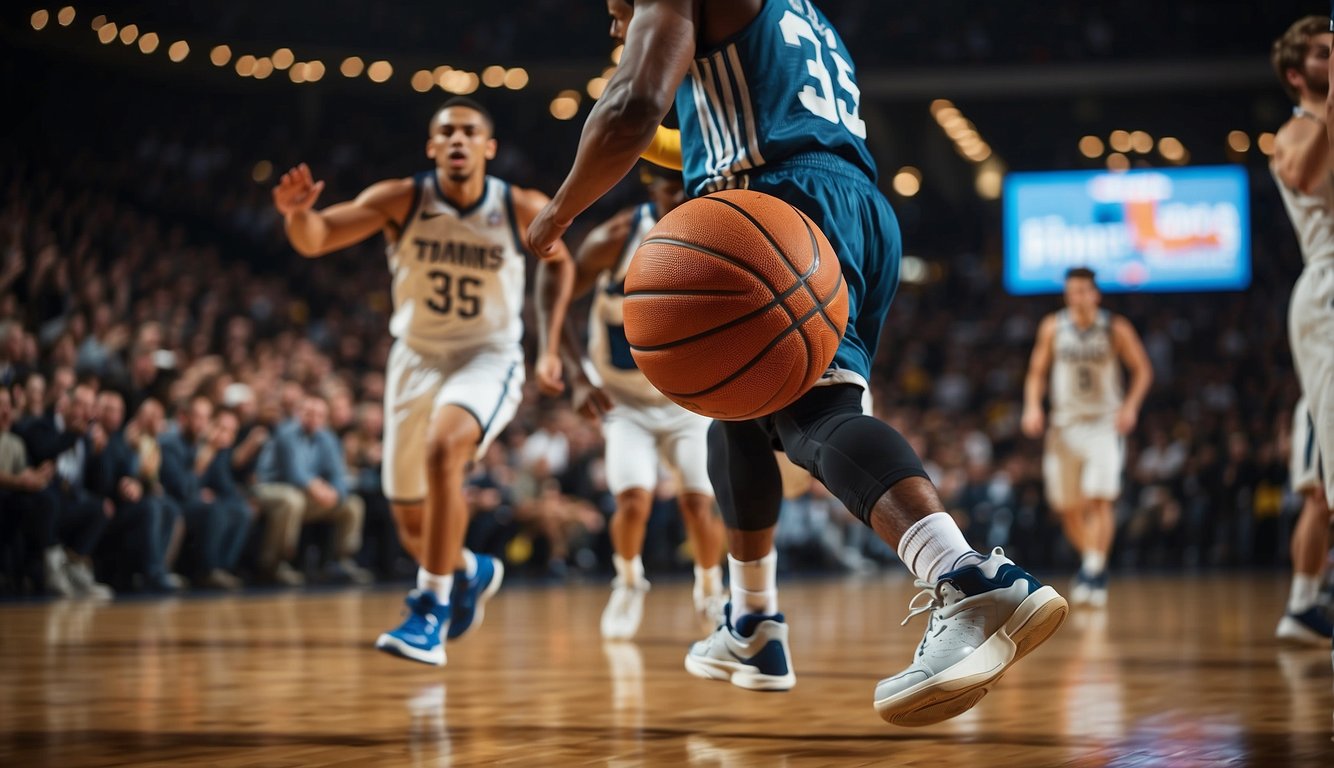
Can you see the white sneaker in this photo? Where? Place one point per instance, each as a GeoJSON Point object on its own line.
{"type": "Point", "coordinates": [752, 655]}
{"type": "Point", "coordinates": [625, 609]}
{"type": "Point", "coordinates": [84, 583]}
{"type": "Point", "coordinates": [709, 612]}
{"type": "Point", "coordinates": [982, 619]}
{"type": "Point", "coordinates": [54, 562]}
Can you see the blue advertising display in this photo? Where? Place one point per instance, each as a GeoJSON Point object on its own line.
{"type": "Point", "coordinates": [1151, 230]}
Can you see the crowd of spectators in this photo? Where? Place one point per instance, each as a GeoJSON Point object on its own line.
{"type": "Point", "coordinates": [187, 402]}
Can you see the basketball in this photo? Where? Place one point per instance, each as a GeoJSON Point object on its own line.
{"type": "Point", "coordinates": [734, 305]}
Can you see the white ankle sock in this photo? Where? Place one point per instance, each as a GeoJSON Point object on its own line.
{"type": "Point", "coordinates": [708, 581]}
{"type": "Point", "coordinates": [469, 563]}
{"type": "Point", "coordinates": [1094, 564]}
{"type": "Point", "coordinates": [1305, 590]}
{"type": "Point", "coordinates": [440, 585]}
{"type": "Point", "coordinates": [629, 570]}
{"type": "Point", "coordinates": [934, 546]}
{"type": "Point", "coordinates": [754, 585]}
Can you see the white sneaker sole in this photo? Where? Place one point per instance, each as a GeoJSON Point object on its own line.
{"type": "Point", "coordinates": [956, 689]}
{"type": "Point", "coordinates": [1293, 631]}
{"type": "Point", "coordinates": [740, 675]}
{"type": "Point", "coordinates": [395, 647]}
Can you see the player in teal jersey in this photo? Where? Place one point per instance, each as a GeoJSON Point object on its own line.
{"type": "Point", "coordinates": [767, 99]}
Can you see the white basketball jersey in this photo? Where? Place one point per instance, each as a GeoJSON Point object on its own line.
{"type": "Point", "coordinates": [1312, 215]}
{"type": "Point", "coordinates": [607, 345]}
{"type": "Point", "coordinates": [1085, 374]}
{"type": "Point", "coordinates": [458, 275]}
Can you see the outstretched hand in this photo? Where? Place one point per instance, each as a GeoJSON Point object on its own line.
{"type": "Point", "coordinates": [297, 191]}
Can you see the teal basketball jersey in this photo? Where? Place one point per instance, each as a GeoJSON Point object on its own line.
{"type": "Point", "coordinates": [783, 86]}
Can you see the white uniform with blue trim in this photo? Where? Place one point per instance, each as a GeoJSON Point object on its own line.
{"type": "Point", "coordinates": [1311, 313]}
{"type": "Point", "coordinates": [1084, 455]}
{"type": "Point", "coordinates": [644, 425]}
{"type": "Point", "coordinates": [458, 290]}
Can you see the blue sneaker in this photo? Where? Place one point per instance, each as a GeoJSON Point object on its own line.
{"type": "Point", "coordinates": [751, 655]}
{"type": "Point", "coordinates": [418, 638]}
{"type": "Point", "coordinates": [1310, 627]}
{"type": "Point", "coordinates": [983, 618]}
{"type": "Point", "coordinates": [469, 596]}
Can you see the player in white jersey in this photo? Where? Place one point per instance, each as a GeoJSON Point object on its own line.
{"type": "Point", "coordinates": [1302, 169]}
{"type": "Point", "coordinates": [1082, 347]}
{"type": "Point", "coordinates": [456, 371]}
{"type": "Point", "coordinates": [641, 424]}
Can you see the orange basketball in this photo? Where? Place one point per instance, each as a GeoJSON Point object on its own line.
{"type": "Point", "coordinates": [734, 305]}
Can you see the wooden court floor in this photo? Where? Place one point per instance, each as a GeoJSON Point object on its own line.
{"type": "Point", "coordinates": [1179, 671]}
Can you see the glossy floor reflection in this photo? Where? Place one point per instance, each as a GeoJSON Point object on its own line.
{"type": "Point", "coordinates": [1176, 671]}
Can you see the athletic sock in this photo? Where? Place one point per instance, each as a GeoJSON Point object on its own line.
{"type": "Point", "coordinates": [1305, 591]}
{"type": "Point", "coordinates": [1094, 564]}
{"type": "Point", "coordinates": [708, 581]}
{"type": "Point", "coordinates": [934, 546]}
{"type": "Point", "coordinates": [754, 585]}
{"type": "Point", "coordinates": [629, 570]}
{"type": "Point", "coordinates": [434, 582]}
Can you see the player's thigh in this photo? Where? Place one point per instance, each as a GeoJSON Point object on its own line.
{"type": "Point", "coordinates": [489, 385]}
{"type": "Point", "coordinates": [1060, 472]}
{"type": "Point", "coordinates": [631, 452]}
{"type": "Point", "coordinates": [1104, 459]}
{"type": "Point", "coordinates": [683, 442]}
{"type": "Point", "coordinates": [412, 383]}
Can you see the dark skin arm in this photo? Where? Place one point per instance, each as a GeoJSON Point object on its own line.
{"type": "Point", "coordinates": [659, 45]}
{"type": "Point", "coordinates": [554, 280]}
{"type": "Point", "coordinates": [598, 253]}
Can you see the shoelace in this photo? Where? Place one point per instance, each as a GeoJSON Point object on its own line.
{"type": "Point", "coordinates": [931, 590]}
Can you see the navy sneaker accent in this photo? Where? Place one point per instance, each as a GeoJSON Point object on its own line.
{"type": "Point", "coordinates": [469, 596]}
{"type": "Point", "coordinates": [752, 655]}
{"type": "Point", "coordinates": [982, 619]}
{"type": "Point", "coordinates": [419, 637]}
{"type": "Point", "coordinates": [1310, 627]}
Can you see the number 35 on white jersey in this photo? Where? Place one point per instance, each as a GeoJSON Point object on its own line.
{"type": "Point", "coordinates": [458, 275]}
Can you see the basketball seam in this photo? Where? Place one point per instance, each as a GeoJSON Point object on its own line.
{"type": "Point", "coordinates": [777, 301]}
{"type": "Point", "coordinates": [796, 324]}
{"type": "Point", "coordinates": [815, 249]}
{"type": "Point", "coordinates": [684, 292]}
{"type": "Point", "coordinates": [717, 255]}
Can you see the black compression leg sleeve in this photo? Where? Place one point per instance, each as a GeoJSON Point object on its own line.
{"type": "Point", "coordinates": [744, 474]}
{"type": "Point", "coordinates": [857, 457]}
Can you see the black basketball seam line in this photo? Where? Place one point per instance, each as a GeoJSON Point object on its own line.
{"type": "Point", "coordinates": [744, 267]}
{"type": "Point", "coordinates": [684, 292]}
{"type": "Point", "coordinates": [777, 301]}
{"type": "Point", "coordinates": [796, 324]}
{"type": "Point", "coordinates": [815, 248]}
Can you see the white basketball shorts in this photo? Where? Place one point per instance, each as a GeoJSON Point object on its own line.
{"type": "Point", "coordinates": [487, 382]}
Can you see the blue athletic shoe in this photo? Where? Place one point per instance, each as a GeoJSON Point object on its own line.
{"type": "Point", "coordinates": [419, 637]}
{"type": "Point", "coordinates": [469, 596]}
{"type": "Point", "coordinates": [752, 655]}
{"type": "Point", "coordinates": [1310, 627]}
{"type": "Point", "coordinates": [983, 619]}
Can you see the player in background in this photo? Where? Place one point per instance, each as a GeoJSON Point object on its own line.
{"type": "Point", "coordinates": [640, 425]}
{"type": "Point", "coordinates": [1081, 347]}
{"type": "Point", "coordinates": [767, 99]}
{"type": "Point", "coordinates": [456, 371]}
{"type": "Point", "coordinates": [1303, 621]}
{"type": "Point", "coordinates": [1301, 167]}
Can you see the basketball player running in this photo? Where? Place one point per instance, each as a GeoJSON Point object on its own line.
{"type": "Point", "coordinates": [1085, 453]}
{"type": "Point", "coordinates": [642, 424]}
{"type": "Point", "coordinates": [1301, 166]}
{"type": "Point", "coordinates": [456, 370]}
{"type": "Point", "coordinates": [767, 99]}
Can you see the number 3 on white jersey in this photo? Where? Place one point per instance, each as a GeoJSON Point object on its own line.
{"type": "Point", "coordinates": [822, 103]}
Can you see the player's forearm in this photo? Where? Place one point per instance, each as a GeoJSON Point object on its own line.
{"type": "Point", "coordinates": [1140, 382]}
{"type": "Point", "coordinates": [308, 232]}
{"type": "Point", "coordinates": [618, 130]}
{"type": "Point", "coordinates": [555, 283]}
{"type": "Point", "coordinates": [1034, 390]}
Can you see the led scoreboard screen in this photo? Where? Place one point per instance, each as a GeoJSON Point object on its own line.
{"type": "Point", "coordinates": [1151, 230]}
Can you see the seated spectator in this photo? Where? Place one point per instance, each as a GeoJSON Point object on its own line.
{"type": "Point", "coordinates": [81, 514]}
{"type": "Point", "coordinates": [219, 479]}
{"type": "Point", "coordinates": [211, 530]}
{"type": "Point", "coordinates": [25, 508]}
{"type": "Point", "coordinates": [302, 479]}
{"type": "Point", "coordinates": [363, 447]}
{"type": "Point", "coordinates": [143, 523]}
